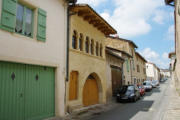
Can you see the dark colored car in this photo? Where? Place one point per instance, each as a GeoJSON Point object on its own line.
{"type": "Point", "coordinates": [128, 93]}
{"type": "Point", "coordinates": [141, 90]}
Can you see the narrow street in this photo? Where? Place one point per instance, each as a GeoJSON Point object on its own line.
{"type": "Point", "coordinates": [151, 107]}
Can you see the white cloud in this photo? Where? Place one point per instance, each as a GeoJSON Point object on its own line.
{"type": "Point", "coordinates": [170, 34]}
{"type": "Point", "coordinates": [130, 17]}
{"type": "Point", "coordinates": [152, 56]}
{"type": "Point", "coordinates": [159, 17]}
{"type": "Point", "coordinates": [165, 55]}
{"type": "Point", "coordinates": [149, 54]}
{"type": "Point", "coordinates": [91, 2]}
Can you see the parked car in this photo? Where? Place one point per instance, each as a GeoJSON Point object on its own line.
{"type": "Point", "coordinates": [147, 85]}
{"type": "Point", "coordinates": [154, 84]}
{"type": "Point", "coordinates": [141, 90]}
{"type": "Point", "coordinates": [128, 93]}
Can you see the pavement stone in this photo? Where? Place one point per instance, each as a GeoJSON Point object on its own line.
{"type": "Point", "coordinates": [173, 109]}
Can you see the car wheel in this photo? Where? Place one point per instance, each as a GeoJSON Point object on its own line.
{"type": "Point", "coordinates": [134, 100]}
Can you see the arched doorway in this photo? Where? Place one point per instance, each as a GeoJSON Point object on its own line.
{"type": "Point", "coordinates": [90, 92]}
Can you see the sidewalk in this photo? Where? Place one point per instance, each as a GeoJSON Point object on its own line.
{"type": "Point", "coordinates": [173, 110]}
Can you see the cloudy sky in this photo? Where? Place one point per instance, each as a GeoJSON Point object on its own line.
{"type": "Point", "coordinates": [149, 23]}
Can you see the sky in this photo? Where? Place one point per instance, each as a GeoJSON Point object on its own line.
{"type": "Point", "coordinates": [148, 23]}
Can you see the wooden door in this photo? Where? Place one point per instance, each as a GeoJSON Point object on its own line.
{"type": "Point", "coordinates": [12, 79]}
{"type": "Point", "coordinates": [73, 85]}
{"type": "Point", "coordinates": [116, 74]}
{"type": "Point", "coordinates": [90, 93]}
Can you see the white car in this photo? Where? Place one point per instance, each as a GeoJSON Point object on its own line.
{"type": "Point", "coordinates": [147, 85]}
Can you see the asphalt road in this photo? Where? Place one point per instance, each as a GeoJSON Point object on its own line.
{"type": "Point", "coordinates": [150, 107]}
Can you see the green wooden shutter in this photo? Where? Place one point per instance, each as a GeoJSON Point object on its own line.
{"type": "Point", "coordinates": [127, 65]}
{"type": "Point", "coordinates": [41, 27]}
{"type": "Point", "coordinates": [8, 18]}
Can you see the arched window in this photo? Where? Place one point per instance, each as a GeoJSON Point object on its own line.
{"type": "Point", "coordinates": [87, 45]}
{"type": "Point", "coordinates": [101, 49]}
{"type": "Point", "coordinates": [81, 42]}
{"type": "Point", "coordinates": [97, 48]}
{"type": "Point", "coordinates": [92, 47]}
{"type": "Point", "coordinates": [74, 40]}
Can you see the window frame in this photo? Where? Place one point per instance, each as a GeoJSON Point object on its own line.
{"type": "Point", "coordinates": [80, 42]}
{"type": "Point", "coordinates": [87, 45]}
{"type": "Point", "coordinates": [74, 39]}
{"type": "Point", "coordinates": [24, 20]}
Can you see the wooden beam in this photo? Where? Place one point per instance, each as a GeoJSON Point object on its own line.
{"type": "Point", "coordinates": [96, 21]}
{"type": "Point", "coordinates": [89, 17]}
{"type": "Point", "coordinates": [102, 27]}
{"type": "Point", "coordinates": [98, 24]}
{"type": "Point", "coordinates": [83, 13]}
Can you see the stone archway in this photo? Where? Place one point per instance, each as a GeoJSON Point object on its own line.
{"type": "Point", "coordinates": [92, 90]}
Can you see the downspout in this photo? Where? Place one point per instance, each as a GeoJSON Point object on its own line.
{"type": "Point", "coordinates": [70, 3]}
{"type": "Point", "coordinates": [67, 47]}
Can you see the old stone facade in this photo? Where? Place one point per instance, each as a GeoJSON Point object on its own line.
{"type": "Point", "coordinates": [114, 67]}
{"type": "Point", "coordinates": [140, 69]}
{"type": "Point", "coordinates": [87, 61]}
{"type": "Point", "coordinates": [128, 47]}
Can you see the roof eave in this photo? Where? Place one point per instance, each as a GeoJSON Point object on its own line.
{"type": "Point", "coordinates": [90, 15]}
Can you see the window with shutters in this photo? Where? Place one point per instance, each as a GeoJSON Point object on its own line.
{"type": "Point", "coordinates": [138, 69]}
{"type": "Point", "coordinates": [127, 65]}
{"type": "Point", "coordinates": [17, 17]}
{"type": "Point", "coordinates": [24, 20]}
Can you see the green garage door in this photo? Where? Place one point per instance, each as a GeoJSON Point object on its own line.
{"type": "Point", "coordinates": [26, 92]}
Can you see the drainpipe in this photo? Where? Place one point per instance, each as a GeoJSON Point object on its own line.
{"type": "Point", "coordinates": [67, 47]}
{"type": "Point", "coordinates": [70, 3]}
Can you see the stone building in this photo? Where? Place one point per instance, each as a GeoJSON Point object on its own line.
{"type": "Point", "coordinates": [32, 58]}
{"type": "Point", "coordinates": [126, 76]}
{"type": "Point", "coordinates": [140, 69]}
{"type": "Point", "coordinates": [152, 71]}
{"type": "Point", "coordinates": [128, 47]}
{"type": "Point", "coordinates": [87, 61]}
{"type": "Point", "coordinates": [172, 57]}
{"type": "Point", "coordinates": [114, 65]}
{"type": "Point", "coordinates": [176, 5]}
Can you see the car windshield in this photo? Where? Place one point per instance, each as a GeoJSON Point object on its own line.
{"type": "Point", "coordinates": [123, 89]}
{"type": "Point", "coordinates": [154, 82]}
{"type": "Point", "coordinates": [130, 88]}
{"type": "Point", "coordinates": [146, 83]}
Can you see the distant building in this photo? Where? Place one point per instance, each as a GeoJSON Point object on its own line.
{"type": "Point", "coordinates": [152, 71]}
{"type": "Point", "coordinates": [172, 57]}
{"type": "Point", "coordinates": [141, 68]}
{"type": "Point", "coordinates": [165, 73]}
